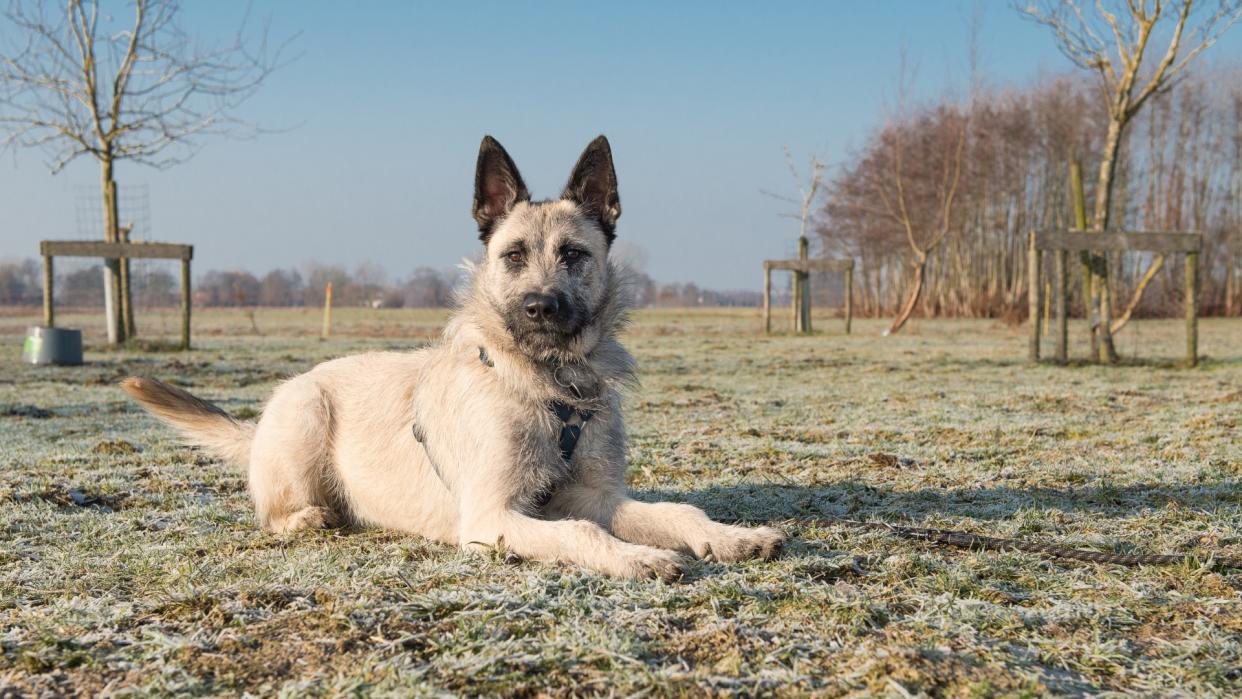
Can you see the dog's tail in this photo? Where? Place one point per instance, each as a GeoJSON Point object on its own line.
{"type": "Point", "coordinates": [201, 423]}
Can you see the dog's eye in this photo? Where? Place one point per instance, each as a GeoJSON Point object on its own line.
{"type": "Point", "coordinates": [572, 254]}
{"type": "Point", "coordinates": [515, 257]}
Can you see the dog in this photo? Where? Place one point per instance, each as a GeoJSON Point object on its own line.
{"type": "Point", "coordinates": [508, 434]}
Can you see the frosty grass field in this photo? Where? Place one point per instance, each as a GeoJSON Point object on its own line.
{"type": "Point", "coordinates": [130, 563]}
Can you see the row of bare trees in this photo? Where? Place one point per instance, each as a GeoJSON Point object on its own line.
{"type": "Point", "coordinates": [154, 286]}
{"type": "Point", "coordinates": [939, 199]}
{"type": "Point", "coordinates": [936, 205]}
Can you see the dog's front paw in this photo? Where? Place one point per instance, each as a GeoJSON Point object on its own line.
{"type": "Point", "coordinates": [645, 563]}
{"type": "Point", "coordinates": [728, 544]}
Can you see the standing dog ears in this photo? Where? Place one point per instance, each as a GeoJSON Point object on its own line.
{"type": "Point", "coordinates": [593, 186]}
{"type": "Point", "coordinates": [498, 186]}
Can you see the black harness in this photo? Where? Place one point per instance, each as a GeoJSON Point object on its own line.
{"type": "Point", "coordinates": [572, 419]}
{"type": "Point", "coordinates": [572, 422]}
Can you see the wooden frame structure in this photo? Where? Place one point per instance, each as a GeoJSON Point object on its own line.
{"type": "Point", "coordinates": [805, 267]}
{"type": "Point", "coordinates": [50, 249]}
{"type": "Point", "coordinates": [1060, 243]}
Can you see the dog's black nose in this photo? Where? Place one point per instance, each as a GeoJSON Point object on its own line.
{"type": "Point", "coordinates": [540, 305]}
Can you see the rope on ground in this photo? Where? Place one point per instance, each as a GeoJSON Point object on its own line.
{"type": "Point", "coordinates": [966, 540]}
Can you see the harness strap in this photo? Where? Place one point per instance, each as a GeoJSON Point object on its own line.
{"type": "Point", "coordinates": [572, 422]}
{"type": "Point", "coordinates": [572, 419]}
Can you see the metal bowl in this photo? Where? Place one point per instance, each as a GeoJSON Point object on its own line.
{"type": "Point", "coordinates": [52, 346]}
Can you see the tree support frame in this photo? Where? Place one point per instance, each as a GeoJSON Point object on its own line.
{"type": "Point", "coordinates": [50, 249]}
{"type": "Point", "coordinates": [1061, 243]}
{"type": "Point", "coordinates": [802, 270]}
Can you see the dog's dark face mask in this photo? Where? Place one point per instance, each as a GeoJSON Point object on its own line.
{"type": "Point", "coordinates": [546, 268]}
{"type": "Point", "coordinates": [542, 321]}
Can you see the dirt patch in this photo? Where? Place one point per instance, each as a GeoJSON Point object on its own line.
{"type": "Point", "coordinates": [30, 412]}
{"type": "Point", "coordinates": [289, 646]}
{"type": "Point", "coordinates": [883, 460]}
{"type": "Point", "coordinates": [70, 497]}
{"type": "Point", "coordinates": [115, 447]}
{"type": "Point", "coordinates": [942, 673]}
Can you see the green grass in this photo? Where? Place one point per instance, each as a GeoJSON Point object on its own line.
{"type": "Point", "coordinates": [130, 563]}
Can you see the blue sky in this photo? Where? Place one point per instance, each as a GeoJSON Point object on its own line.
{"type": "Point", "coordinates": [389, 101]}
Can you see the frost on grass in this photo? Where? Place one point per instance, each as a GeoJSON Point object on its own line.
{"type": "Point", "coordinates": [128, 562]}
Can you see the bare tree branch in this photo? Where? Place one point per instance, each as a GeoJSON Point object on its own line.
{"type": "Point", "coordinates": [145, 92]}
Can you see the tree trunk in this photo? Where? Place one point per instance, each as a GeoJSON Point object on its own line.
{"type": "Point", "coordinates": [1149, 275]}
{"type": "Point", "coordinates": [112, 268]}
{"type": "Point", "coordinates": [802, 293]}
{"type": "Point", "coordinates": [916, 292]}
{"type": "Point", "coordinates": [1103, 204]}
{"type": "Point", "coordinates": [1230, 292]}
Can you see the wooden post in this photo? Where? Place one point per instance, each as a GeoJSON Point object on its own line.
{"type": "Point", "coordinates": [1061, 292]}
{"type": "Point", "coordinates": [327, 310]}
{"type": "Point", "coordinates": [126, 291]}
{"type": "Point", "coordinates": [185, 304]}
{"type": "Point", "coordinates": [794, 301]}
{"type": "Point", "coordinates": [1192, 308]}
{"type": "Point", "coordinates": [1047, 324]}
{"type": "Point", "coordinates": [767, 298]}
{"type": "Point", "coordinates": [1079, 200]}
{"type": "Point", "coordinates": [1032, 270]}
{"type": "Point", "coordinates": [849, 297]}
{"type": "Point", "coordinates": [802, 298]}
{"type": "Point", "coordinates": [48, 312]}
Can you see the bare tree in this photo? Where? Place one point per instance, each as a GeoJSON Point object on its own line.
{"type": "Point", "coordinates": [1111, 38]}
{"type": "Point", "coordinates": [1233, 242]}
{"type": "Point", "coordinates": [370, 277]}
{"type": "Point", "coordinates": [281, 287]}
{"type": "Point", "coordinates": [925, 214]}
{"type": "Point", "coordinates": [807, 191]}
{"type": "Point", "coordinates": [926, 226]}
{"type": "Point", "coordinates": [81, 83]}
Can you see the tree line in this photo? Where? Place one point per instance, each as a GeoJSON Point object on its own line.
{"type": "Point", "coordinates": [1180, 169]}
{"type": "Point", "coordinates": [364, 286]}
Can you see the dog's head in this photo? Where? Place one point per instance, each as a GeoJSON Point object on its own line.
{"type": "Point", "coordinates": [545, 272]}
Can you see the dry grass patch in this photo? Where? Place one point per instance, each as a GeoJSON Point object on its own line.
{"type": "Point", "coordinates": [130, 563]}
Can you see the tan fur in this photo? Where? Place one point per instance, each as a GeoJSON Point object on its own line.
{"type": "Point", "coordinates": [335, 445]}
{"type": "Point", "coordinates": [200, 422]}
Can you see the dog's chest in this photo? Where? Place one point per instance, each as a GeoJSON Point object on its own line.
{"type": "Point", "coordinates": [548, 448]}
{"type": "Point", "coordinates": [534, 426]}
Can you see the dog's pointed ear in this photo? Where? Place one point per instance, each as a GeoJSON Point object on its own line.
{"type": "Point", "coordinates": [593, 186]}
{"type": "Point", "coordinates": [498, 186]}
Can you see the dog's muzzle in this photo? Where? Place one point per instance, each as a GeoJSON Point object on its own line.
{"type": "Point", "coordinates": [544, 319]}
{"type": "Point", "coordinates": [541, 307]}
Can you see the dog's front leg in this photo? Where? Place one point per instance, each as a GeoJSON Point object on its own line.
{"type": "Point", "coordinates": [576, 541]}
{"type": "Point", "coordinates": [489, 473]}
{"type": "Point", "coordinates": [666, 524]}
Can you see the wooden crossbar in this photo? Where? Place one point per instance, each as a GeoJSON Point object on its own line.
{"type": "Point", "coordinates": [1150, 241]}
{"type": "Point", "coordinates": [92, 248]}
{"type": "Point", "coordinates": [806, 266]}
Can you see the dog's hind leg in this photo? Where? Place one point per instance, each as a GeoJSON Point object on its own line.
{"type": "Point", "coordinates": [668, 525]}
{"type": "Point", "coordinates": [290, 460]}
